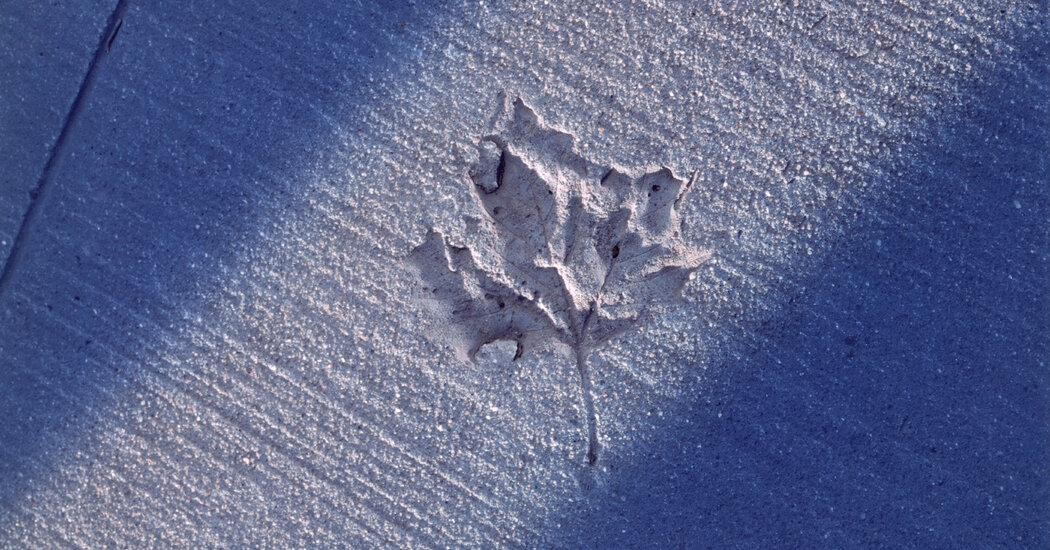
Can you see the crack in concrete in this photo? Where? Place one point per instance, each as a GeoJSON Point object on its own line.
{"type": "Point", "coordinates": [39, 192]}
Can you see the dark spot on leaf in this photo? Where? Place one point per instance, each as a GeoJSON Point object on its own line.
{"type": "Point", "coordinates": [656, 188]}
{"type": "Point", "coordinates": [616, 251]}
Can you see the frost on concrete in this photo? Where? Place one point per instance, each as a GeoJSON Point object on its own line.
{"type": "Point", "coordinates": [572, 251]}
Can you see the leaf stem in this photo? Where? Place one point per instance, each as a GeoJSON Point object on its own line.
{"type": "Point", "coordinates": [588, 401]}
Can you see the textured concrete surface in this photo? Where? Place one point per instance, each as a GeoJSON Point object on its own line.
{"type": "Point", "coordinates": [212, 338]}
{"type": "Point", "coordinates": [45, 53]}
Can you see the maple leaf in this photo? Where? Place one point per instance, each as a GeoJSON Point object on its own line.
{"type": "Point", "coordinates": [570, 250]}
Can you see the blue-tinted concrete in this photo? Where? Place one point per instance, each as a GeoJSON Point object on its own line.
{"type": "Point", "coordinates": [45, 53]}
{"type": "Point", "coordinates": [898, 396]}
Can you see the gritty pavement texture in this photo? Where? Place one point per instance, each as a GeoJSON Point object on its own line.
{"type": "Point", "coordinates": [44, 54]}
{"type": "Point", "coordinates": [211, 336]}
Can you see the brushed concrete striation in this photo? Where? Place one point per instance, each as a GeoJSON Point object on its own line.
{"type": "Point", "coordinates": [212, 338]}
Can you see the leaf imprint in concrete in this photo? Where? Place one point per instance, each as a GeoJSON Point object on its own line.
{"type": "Point", "coordinates": [570, 250]}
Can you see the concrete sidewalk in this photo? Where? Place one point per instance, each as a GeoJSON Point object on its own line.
{"type": "Point", "coordinates": [209, 336]}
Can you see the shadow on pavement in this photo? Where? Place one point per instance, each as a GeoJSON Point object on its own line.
{"type": "Point", "coordinates": [899, 398]}
{"type": "Point", "coordinates": [191, 139]}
